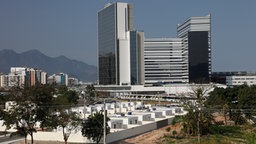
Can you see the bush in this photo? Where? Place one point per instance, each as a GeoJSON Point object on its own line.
{"type": "Point", "coordinates": [250, 138]}
{"type": "Point", "coordinates": [177, 119]}
{"type": "Point", "coordinates": [168, 129]}
{"type": "Point", "coordinates": [174, 133]}
{"type": "Point", "coordinates": [224, 130]}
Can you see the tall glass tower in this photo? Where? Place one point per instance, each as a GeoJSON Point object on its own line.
{"type": "Point", "coordinates": [115, 31]}
{"type": "Point", "coordinates": [196, 44]}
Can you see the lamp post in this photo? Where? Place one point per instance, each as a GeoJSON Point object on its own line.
{"type": "Point", "coordinates": [83, 93]}
{"type": "Point", "coordinates": [104, 123]}
{"type": "Point", "coordinates": [104, 116]}
{"type": "Point", "coordinates": [169, 84]}
{"type": "Point", "coordinates": [198, 126]}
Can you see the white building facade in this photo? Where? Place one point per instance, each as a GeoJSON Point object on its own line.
{"type": "Point", "coordinates": [116, 39]}
{"type": "Point", "coordinates": [195, 33]}
{"type": "Point", "coordinates": [164, 61]}
{"type": "Point", "coordinates": [23, 76]}
{"type": "Point", "coordinates": [240, 80]}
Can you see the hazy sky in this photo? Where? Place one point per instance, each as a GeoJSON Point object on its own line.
{"type": "Point", "coordinates": [69, 27]}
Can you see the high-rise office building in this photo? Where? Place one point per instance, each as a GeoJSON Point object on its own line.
{"type": "Point", "coordinates": [137, 57]}
{"type": "Point", "coordinates": [164, 61]}
{"type": "Point", "coordinates": [117, 44]}
{"type": "Point", "coordinates": [196, 43]}
{"type": "Point", "coordinates": [121, 52]}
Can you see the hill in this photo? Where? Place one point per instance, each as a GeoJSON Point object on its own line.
{"type": "Point", "coordinates": [36, 59]}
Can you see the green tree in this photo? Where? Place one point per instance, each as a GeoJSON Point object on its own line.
{"type": "Point", "coordinates": [198, 119]}
{"type": "Point", "coordinates": [190, 122]}
{"type": "Point", "coordinates": [92, 128]}
{"type": "Point", "coordinates": [90, 91]}
{"type": "Point", "coordinates": [66, 96]}
{"type": "Point", "coordinates": [47, 104]}
{"type": "Point", "coordinates": [30, 106]}
{"type": "Point", "coordinates": [22, 117]}
{"type": "Point", "coordinates": [247, 100]}
{"type": "Point", "coordinates": [61, 115]}
{"type": "Point", "coordinates": [43, 97]}
{"type": "Point", "coordinates": [235, 101]}
{"type": "Point", "coordinates": [223, 99]}
{"type": "Point", "coordinates": [67, 120]}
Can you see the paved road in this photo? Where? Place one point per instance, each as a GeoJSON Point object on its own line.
{"type": "Point", "coordinates": [9, 140]}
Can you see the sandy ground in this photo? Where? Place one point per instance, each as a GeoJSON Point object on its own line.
{"type": "Point", "coordinates": [152, 137]}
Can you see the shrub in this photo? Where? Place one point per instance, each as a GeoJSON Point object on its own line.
{"type": "Point", "coordinates": [168, 129]}
{"type": "Point", "coordinates": [174, 132]}
{"type": "Point", "coordinates": [177, 119]}
{"type": "Point", "coordinates": [224, 130]}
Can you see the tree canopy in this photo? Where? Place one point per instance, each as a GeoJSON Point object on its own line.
{"type": "Point", "coordinates": [236, 101]}
{"type": "Point", "coordinates": [39, 103]}
{"type": "Point", "coordinates": [92, 128]}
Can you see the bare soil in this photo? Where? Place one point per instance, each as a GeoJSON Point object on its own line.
{"type": "Point", "coordinates": [152, 137]}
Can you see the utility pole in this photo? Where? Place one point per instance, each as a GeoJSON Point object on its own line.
{"type": "Point", "coordinates": [83, 93]}
{"type": "Point", "coordinates": [159, 103]}
{"type": "Point", "coordinates": [199, 96]}
{"type": "Point", "coordinates": [104, 123]}
{"type": "Point", "coordinates": [198, 125]}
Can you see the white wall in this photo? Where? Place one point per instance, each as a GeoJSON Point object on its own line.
{"type": "Point", "coordinates": [58, 137]}
{"type": "Point", "coordinates": [124, 61]}
{"type": "Point", "coordinates": [133, 131]}
{"type": "Point", "coordinates": [76, 137]}
{"type": "Point", "coordinates": [122, 20]}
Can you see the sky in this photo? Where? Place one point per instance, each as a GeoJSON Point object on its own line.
{"type": "Point", "coordinates": [69, 27]}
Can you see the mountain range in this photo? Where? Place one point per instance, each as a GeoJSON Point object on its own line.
{"type": "Point", "coordinates": [36, 59]}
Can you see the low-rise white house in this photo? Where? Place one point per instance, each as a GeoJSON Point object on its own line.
{"type": "Point", "coordinates": [115, 124]}
{"type": "Point", "coordinates": [123, 125]}
{"type": "Point", "coordinates": [167, 112]}
{"type": "Point", "coordinates": [127, 120]}
{"type": "Point", "coordinates": [240, 80]}
{"type": "Point", "coordinates": [143, 118]}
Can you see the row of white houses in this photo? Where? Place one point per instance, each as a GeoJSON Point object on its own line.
{"type": "Point", "coordinates": [127, 119]}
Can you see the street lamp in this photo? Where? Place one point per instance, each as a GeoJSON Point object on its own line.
{"type": "Point", "coordinates": [104, 116]}
{"type": "Point", "coordinates": [159, 103]}
{"type": "Point", "coordinates": [83, 94]}
{"type": "Point", "coordinates": [104, 123]}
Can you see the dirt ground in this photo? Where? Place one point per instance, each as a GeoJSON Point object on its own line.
{"type": "Point", "coordinates": [155, 136]}
{"type": "Point", "coordinates": [151, 137]}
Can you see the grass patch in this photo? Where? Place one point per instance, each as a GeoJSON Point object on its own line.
{"type": "Point", "coordinates": [219, 135]}
{"type": "Point", "coordinates": [225, 130]}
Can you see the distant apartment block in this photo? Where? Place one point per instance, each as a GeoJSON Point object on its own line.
{"type": "Point", "coordinates": [59, 79]}
{"type": "Point", "coordinates": [72, 81]}
{"type": "Point", "coordinates": [23, 76]}
{"type": "Point", "coordinates": [11, 80]}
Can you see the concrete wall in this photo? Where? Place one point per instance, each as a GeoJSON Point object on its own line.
{"type": "Point", "coordinates": [76, 137]}
{"type": "Point", "coordinates": [58, 137]}
{"type": "Point", "coordinates": [120, 135]}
